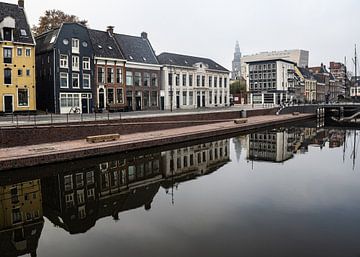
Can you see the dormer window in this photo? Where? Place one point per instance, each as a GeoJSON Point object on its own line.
{"type": "Point", "coordinates": [75, 45]}
{"type": "Point", "coordinates": [8, 34]}
{"type": "Point", "coordinates": [131, 58]}
{"type": "Point", "coordinates": [23, 32]}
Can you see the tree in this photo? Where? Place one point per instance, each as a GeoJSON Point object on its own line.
{"type": "Point", "coordinates": [53, 19]}
{"type": "Point", "coordinates": [237, 87]}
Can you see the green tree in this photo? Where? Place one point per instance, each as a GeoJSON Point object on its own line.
{"type": "Point", "coordinates": [53, 19]}
{"type": "Point", "coordinates": [237, 87]}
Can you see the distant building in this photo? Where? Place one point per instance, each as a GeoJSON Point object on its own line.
{"type": "Point", "coordinates": [327, 89]}
{"type": "Point", "coordinates": [17, 60]}
{"type": "Point", "coordinates": [308, 83]}
{"type": "Point", "coordinates": [236, 64]}
{"type": "Point", "coordinates": [338, 70]}
{"type": "Point", "coordinates": [190, 82]}
{"type": "Point", "coordinates": [270, 81]}
{"type": "Point", "coordinates": [299, 57]}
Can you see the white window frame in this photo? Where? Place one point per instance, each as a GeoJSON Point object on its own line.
{"type": "Point", "coordinates": [21, 50]}
{"type": "Point", "coordinates": [28, 50]}
{"type": "Point", "coordinates": [88, 78]}
{"type": "Point", "coordinates": [75, 45]}
{"type": "Point", "coordinates": [64, 61]}
{"type": "Point", "coordinates": [75, 63]}
{"type": "Point", "coordinates": [67, 79]}
{"type": "Point", "coordinates": [86, 64]}
{"type": "Point", "coordinates": [77, 75]}
{"type": "Point", "coordinates": [28, 98]}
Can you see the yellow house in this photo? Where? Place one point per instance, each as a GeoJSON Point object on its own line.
{"type": "Point", "coordinates": [17, 60]}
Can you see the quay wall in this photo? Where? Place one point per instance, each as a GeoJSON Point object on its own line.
{"type": "Point", "coordinates": [41, 134]}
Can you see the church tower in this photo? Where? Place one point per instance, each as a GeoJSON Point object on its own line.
{"type": "Point", "coordinates": [236, 64]}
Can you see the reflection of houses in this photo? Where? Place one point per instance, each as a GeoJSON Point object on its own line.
{"type": "Point", "coordinates": [190, 162]}
{"type": "Point", "coordinates": [21, 218]}
{"type": "Point", "coordinates": [84, 196]}
{"type": "Point", "coordinates": [273, 146]}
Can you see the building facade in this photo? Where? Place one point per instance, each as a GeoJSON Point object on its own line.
{"type": "Point", "coordinates": [339, 71]}
{"type": "Point", "coordinates": [142, 76]}
{"type": "Point", "coordinates": [65, 70]}
{"type": "Point", "coordinates": [299, 57]}
{"type": "Point", "coordinates": [17, 61]}
{"type": "Point", "coordinates": [308, 83]}
{"type": "Point", "coordinates": [109, 85]}
{"type": "Point", "coordinates": [236, 63]}
{"type": "Point", "coordinates": [190, 82]}
{"type": "Point", "coordinates": [270, 81]}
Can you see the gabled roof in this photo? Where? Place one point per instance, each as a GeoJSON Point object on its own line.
{"type": "Point", "coordinates": [188, 61]}
{"type": "Point", "coordinates": [44, 42]}
{"type": "Point", "coordinates": [306, 73]}
{"type": "Point", "coordinates": [104, 45]}
{"type": "Point", "coordinates": [21, 24]}
{"type": "Point", "coordinates": [136, 49]}
{"type": "Point", "coordinates": [320, 78]}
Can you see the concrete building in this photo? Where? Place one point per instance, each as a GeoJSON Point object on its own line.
{"type": "Point", "coordinates": [236, 63]}
{"type": "Point", "coordinates": [270, 81]}
{"type": "Point", "coordinates": [299, 57]}
{"type": "Point", "coordinates": [190, 82]}
{"type": "Point", "coordinates": [17, 60]}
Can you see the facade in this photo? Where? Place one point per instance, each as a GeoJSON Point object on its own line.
{"type": "Point", "coordinates": [65, 70]}
{"type": "Point", "coordinates": [308, 83]}
{"type": "Point", "coordinates": [322, 88]}
{"type": "Point", "coordinates": [299, 57]}
{"type": "Point", "coordinates": [236, 63]}
{"type": "Point", "coordinates": [109, 85]}
{"type": "Point", "coordinates": [331, 89]}
{"type": "Point", "coordinates": [270, 81]}
{"type": "Point", "coordinates": [339, 71]}
{"type": "Point", "coordinates": [142, 75]}
{"type": "Point", "coordinates": [190, 82]}
{"type": "Point", "coordinates": [17, 60]}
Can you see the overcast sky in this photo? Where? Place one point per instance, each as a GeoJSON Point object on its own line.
{"type": "Point", "coordinates": [329, 29]}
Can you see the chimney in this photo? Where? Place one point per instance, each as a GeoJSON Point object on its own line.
{"type": "Point", "coordinates": [144, 35]}
{"type": "Point", "coordinates": [110, 30]}
{"type": "Point", "coordinates": [21, 3]}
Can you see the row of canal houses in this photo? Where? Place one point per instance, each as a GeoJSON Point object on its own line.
{"type": "Point", "coordinates": [78, 69]}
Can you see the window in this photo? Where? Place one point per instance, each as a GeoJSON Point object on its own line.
{"type": "Point", "coordinates": [69, 100]}
{"type": "Point", "coordinates": [190, 80]}
{"type": "Point", "coordinates": [69, 200]}
{"type": "Point", "coordinates": [146, 79]}
{"type": "Point", "coordinates": [110, 95]}
{"type": "Point", "coordinates": [7, 34]}
{"type": "Point", "coordinates": [215, 81]}
{"type": "Point", "coordinates": [80, 197]}
{"type": "Point", "coordinates": [129, 78]}
{"type": "Point", "coordinates": [184, 98]}
{"type": "Point", "coordinates": [198, 80]}
{"type": "Point", "coordinates": [75, 80]}
{"type": "Point", "coordinates": [19, 51]}
{"type": "Point", "coordinates": [86, 63]}
{"type": "Point", "coordinates": [16, 216]}
{"type": "Point", "coordinates": [154, 98]}
{"type": "Point", "coordinates": [23, 97]}
{"type": "Point", "coordinates": [220, 82]}
{"type": "Point", "coordinates": [170, 79]}
{"type": "Point", "coordinates": [7, 76]}
{"type": "Point", "coordinates": [79, 178]}
{"type": "Point", "coordinates": [86, 81]}
{"type": "Point", "coordinates": [203, 81]}
{"type": "Point", "coordinates": [75, 45]}
{"type": "Point", "coordinates": [68, 183]}
{"type": "Point", "coordinates": [20, 72]}
{"type": "Point", "coordinates": [137, 79]}
{"type": "Point", "coordinates": [110, 75]}
{"type": "Point", "coordinates": [28, 52]}
{"type": "Point", "coordinates": [210, 81]}
{"type": "Point", "coordinates": [154, 82]}
{"type": "Point", "coordinates": [90, 178]}
{"type": "Point", "coordinates": [191, 98]}
{"type": "Point", "coordinates": [119, 95]}
{"type": "Point", "coordinates": [210, 97]}
{"type": "Point", "coordinates": [119, 75]}
{"type": "Point", "coordinates": [64, 61]}
{"type": "Point", "coordinates": [28, 72]}
{"type": "Point", "coordinates": [177, 80]}
{"type": "Point", "coordinates": [64, 83]}
{"type": "Point", "coordinates": [146, 98]}
{"type": "Point", "coordinates": [75, 62]}
{"type": "Point", "coordinates": [101, 75]}
{"type": "Point", "coordinates": [184, 77]}
{"type": "Point", "coordinates": [225, 82]}
{"type": "Point", "coordinates": [7, 55]}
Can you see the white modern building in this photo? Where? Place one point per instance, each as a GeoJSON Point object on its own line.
{"type": "Point", "coordinates": [299, 57]}
{"type": "Point", "coordinates": [270, 82]}
{"type": "Point", "coordinates": [192, 82]}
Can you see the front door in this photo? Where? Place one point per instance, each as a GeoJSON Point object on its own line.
{"type": "Point", "coordinates": [8, 104]}
{"type": "Point", "coordinates": [84, 105]}
{"type": "Point", "coordinates": [138, 103]}
{"type": "Point", "coordinates": [178, 102]}
{"type": "Point", "coordinates": [101, 99]}
{"type": "Point", "coordinates": [129, 103]}
{"type": "Point", "coordinates": [203, 101]}
{"type": "Point", "coordinates": [162, 103]}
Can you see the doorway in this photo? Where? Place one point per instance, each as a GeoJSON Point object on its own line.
{"type": "Point", "coordinates": [198, 101]}
{"type": "Point", "coordinates": [129, 103]}
{"type": "Point", "coordinates": [177, 102]}
{"type": "Point", "coordinates": [101, 99]}
{"type": "Point", "coordinates": [138, 103]}
{"type": "Point", "coordinates": [8, 103]}
{"type": "Point", "coordinates": [203, 101]}
{"type": "Point", "coordinates": [84, 105]}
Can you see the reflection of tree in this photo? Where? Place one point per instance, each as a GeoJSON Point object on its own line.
{"type": "Point", "coordinates": [238, 144]}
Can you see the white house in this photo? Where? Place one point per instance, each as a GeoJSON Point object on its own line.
{"type": "Point", "coordinates": [192, 82]}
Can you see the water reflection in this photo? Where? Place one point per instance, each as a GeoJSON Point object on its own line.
{"type": "Point", "coordinates": [76, 195]}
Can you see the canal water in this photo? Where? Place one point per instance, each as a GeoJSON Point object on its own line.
{"type": "Point", "coordinates": [291, 191]}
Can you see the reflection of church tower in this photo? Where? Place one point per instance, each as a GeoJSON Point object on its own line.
{"type": "Point", "coordinates": [236, 64]}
